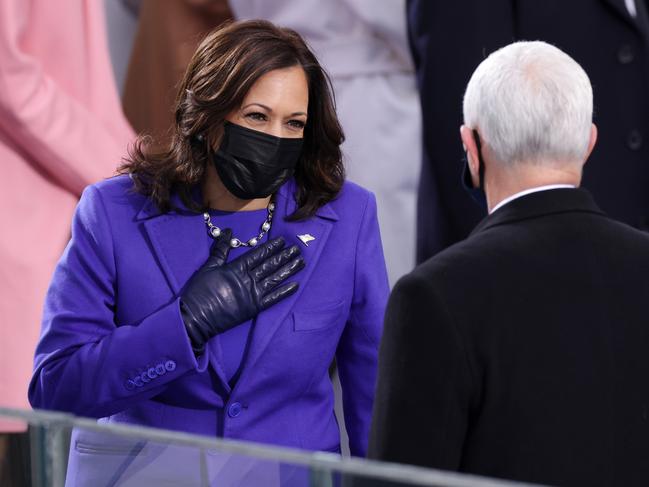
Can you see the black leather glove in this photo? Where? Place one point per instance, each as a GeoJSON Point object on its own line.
{"type": "Point", "coordinates": [220, 296]}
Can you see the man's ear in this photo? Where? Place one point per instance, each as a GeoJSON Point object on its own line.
{"type": "Point", "coordinates": [471, 149]}
{"type": "Point", "coordinates": [592, 141]}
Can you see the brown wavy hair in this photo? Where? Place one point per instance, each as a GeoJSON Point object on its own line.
{"type": "Point", "coordinates": [224, 67]}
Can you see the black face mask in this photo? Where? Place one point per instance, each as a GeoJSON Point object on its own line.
{"type": "Point", "coordinates": [478, 193]}
{"type": "Point", "coordinates": [252, 164]}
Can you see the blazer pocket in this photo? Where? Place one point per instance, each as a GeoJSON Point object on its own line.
{"type": "Point", "coordinates": [318, 318]}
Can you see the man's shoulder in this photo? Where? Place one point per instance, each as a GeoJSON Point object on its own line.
{"type": "Point", "coordinates": [623, 239]}
{"type": "Point", "coordinates": [499, 248]}
{"type": "Point", "coordinates": [462, 264]}
{"type": "Point", "coordinates": [464, 254]}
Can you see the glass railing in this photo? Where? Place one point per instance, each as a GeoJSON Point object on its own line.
{"type": "Point", "coordinates": [65, 450]}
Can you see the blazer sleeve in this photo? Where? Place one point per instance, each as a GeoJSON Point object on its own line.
{"type": "Point", "coordinates": [425, 383]}
{"type": "Point", "coordinates": [357, 352]}
{"type": "Point", "coordinates": [61, 136]}
{"type": "Point", "coordinates": [86, 364]}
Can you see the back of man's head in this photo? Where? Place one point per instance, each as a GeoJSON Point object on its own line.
{"type": "Point", "coordinates": [531, 103]}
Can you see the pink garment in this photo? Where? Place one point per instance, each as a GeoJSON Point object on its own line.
{"type": "Point", "coordinates": [61, 128]}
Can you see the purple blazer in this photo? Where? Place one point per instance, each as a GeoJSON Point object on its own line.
{"type": "Point", "coordinates": [113, 344]}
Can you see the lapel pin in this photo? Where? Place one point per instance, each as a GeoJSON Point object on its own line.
{"type": "Point", "coordinates": [306, 238]}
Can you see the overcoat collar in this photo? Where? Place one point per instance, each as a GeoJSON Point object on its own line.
{"type": "Point", "coordinates": [639, 22]}
{"type": "Point", "coordinates": [540, 203]}
{"type": "Point", "coordinates": [620, 7]}
{"type": "Point", "coordinates": [176, 239]}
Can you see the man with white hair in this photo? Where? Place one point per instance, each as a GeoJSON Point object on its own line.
{"type": "Point", "coordinates": [523, 351]}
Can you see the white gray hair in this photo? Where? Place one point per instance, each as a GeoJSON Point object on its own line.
{"type": "Point", "coordinates": [531, 102]}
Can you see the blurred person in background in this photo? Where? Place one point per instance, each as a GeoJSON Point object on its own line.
{"type": "Point", "coordinates": [168, 34]}
{"type": "Point", "coordinates": [363, 46]}
{"type": "Point", "coordinates": [209, 287]}
{"type": "Point", "coordinates": [609, 38]}
{"type": "Point", "coordinates": [61, 128]}
{"type": "Point", "coordinates": [121, 27]}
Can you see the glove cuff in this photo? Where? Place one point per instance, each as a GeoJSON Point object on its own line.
{"type": "Point", "coordinates": [196, 338]}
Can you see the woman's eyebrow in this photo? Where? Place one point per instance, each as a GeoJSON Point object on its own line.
{"type": "Point", "coordinates": [258, 104]}
{"type": "Point", "coordinates": [270, 110]}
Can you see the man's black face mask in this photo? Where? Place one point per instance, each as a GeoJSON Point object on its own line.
{"type": "Point", "coordinates": [477, 193]}
{"type": "Point", "coordinates": [252, 164]}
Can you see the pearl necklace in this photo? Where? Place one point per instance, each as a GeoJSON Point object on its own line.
{"type": "Point", "coordinates": [214, 231]}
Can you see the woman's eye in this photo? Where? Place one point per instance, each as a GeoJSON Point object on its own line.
{"type": "Point", "coordinates": [296, 124]}
{"type": "Point", "coordinates": [256, 116]}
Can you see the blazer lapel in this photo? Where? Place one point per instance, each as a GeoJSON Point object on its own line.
{"type": "Point", "coordinates": [619, 6]}
{"type": "Point", "coordinates": [318, 227]}
{"type": "Point", "coordinates": [177, 240]}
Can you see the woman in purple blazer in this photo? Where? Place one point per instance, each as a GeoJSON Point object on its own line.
{"type": "Point", "coordinates": [209, 287]}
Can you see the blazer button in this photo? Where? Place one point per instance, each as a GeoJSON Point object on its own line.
{"type": "Point", "coordinates": [634, 140]}
{"type": "Point", "coordinates": [151, 373]}
{"type": "Point", "coordinates": [170, 365]}
{"type": "Point", "coordinates": [625, 54]}
{"type": "Point", "coordinates": [160, 369]}
{"type": "Point", "coordinates": [234, 410]}
{"type": "Point", "coordinates": [130, 385]}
